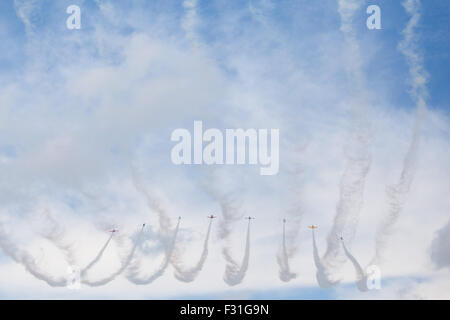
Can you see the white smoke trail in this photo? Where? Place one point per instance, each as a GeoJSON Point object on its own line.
{"type": "Point", "coordinates": [190, 21]}
{"type": "Point", "coordinates": [231, 212]}
{"type": "Point", "coordinates": [361, 277]}
{"type": "Point", "coordinates": [289, 243]}
{"type": "Point", "coordinates": [25, 10]}
{"type": "Point", "coordinates": [234, 274]}
{"type": "Point", "coordinates": [358, 158]}
{"type": "Point", "coordinates": [322, 274]}
{"type": "Point", "coordinates": [134, 269]}
{"type": "Point", "coordinates": [124, 265]}
{"type": "Point", "coordinates": [97, 258]}
{"type": "Point", "coordinates": [189, 275]}
{"type": "Point", "coordinates": [28, 261]}
{"type": "Point", "coordinates": [164, 233]}
{"type": "Point", "coordinates": [349, 206]}
{"type": "Point", "coordinates": [397, 193]}
{"type": "Point", "coordinates": [55, 233]}
{"type": "Point", "coordinates": [283, 260]}
{"type": "Point", "coordinates": [154, 205]}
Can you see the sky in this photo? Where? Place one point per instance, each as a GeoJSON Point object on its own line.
{"type": "Point", "coordinates": [86, 118]}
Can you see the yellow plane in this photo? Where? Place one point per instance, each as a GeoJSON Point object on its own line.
{"type": "Point", "coordinates": [313, 227]}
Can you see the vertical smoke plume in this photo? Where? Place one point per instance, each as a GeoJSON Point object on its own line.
{"type": "Point", "coordinates": [189, 275]}
{"type": "Point", "coordinates": [283, 259]}
{"type": "Point", "coordinates": [349, 206]}
{"type": "Point", "coordinates": [124, 265]}
{"type": "Point", "coordinates": [322, 274]}
{"type": "Point", "coordinates": [289, 243]}
{"type": "Point", "coordinates": [28, 261]}
{"type": "Point", "coordinates": [154, 205]}
{"type": "Point", "coordinates": [361, 278]}
{"type": "Point", "coordinates": [190, 21]}
{"type": "Point", "coordinates": [231, 212]}
{"type": "Point", "coordinates": [164, 234]}
{"type": "Point", "coordinates": [397, 193]}
{"type": "Point", "coordinates": [234, 274]}
{"type": "Point", "coordinates": [357, 153]}
{"type": "Point", "coordinates": [133, 271]}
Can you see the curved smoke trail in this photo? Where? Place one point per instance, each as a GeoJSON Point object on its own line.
{"type": "Point", "coordinates": [231, 212]}
{"type": "Point", "coordinates": [97, 257]}
{"type": "Point", "coordinates": [124, 265]}
{"type": "Point", "coordinates": [164, 233]}
{"type": "Point", "coordinates": [361, 277]}
{"type": "Point", "coordinates": [55, 233]}
{"type": "Point", "coordinates": [283, 260]}
{"type": "Point", "coordinates": [28, 261]}
{"type": "Point", "coordinates": [358, 158]}
{"type": "Point", "coordinates": [190, 274]}
{"type": "Point", "coordinates": [348, 208]}
{"type": "Point", "coordinates": [234, 274]}
{"type": "Point", "coordinates": [154, 205]}
{"type": "Point", "coordinates": [133, 271]}
{"type": "Point", "coordinates": [397, 193]}
{"type": "Point", "coordinates": [322, 274]}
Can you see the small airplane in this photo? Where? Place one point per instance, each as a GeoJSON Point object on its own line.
{"type": "Point", "coordinates": [211, 217]}
{"type": "Point", "coordinates": [284, 220]}
{"type": "Point", "coordinates": [179, 218]}
{"type": "Point", "coordinates": [341, 237]}
{"type": "Point", "coordinates": [113, 230]}
{"type": "Point", "coordinates": [143, 225]}
{"type": "Point", "coordinates": [249, 218]}
{"type": "Point", "coordinates": [313, 227]}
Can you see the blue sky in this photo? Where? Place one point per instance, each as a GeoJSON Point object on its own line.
{"type": "Point", "coordinates": [308, 19]}
{"type": "Point", "coordinates": [81, 108]}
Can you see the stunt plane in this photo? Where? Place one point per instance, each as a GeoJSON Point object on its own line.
{"type": "Point", "coordinates": [211, 217]}
{"type": "Point", "coordinates": [313, 227]}
{"type": "Point", "coordinates": [113, 230]}
{"type": "Point", "coordinates": [284, 220]}
{"type": "Point", "coordinates": [249, 218]}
